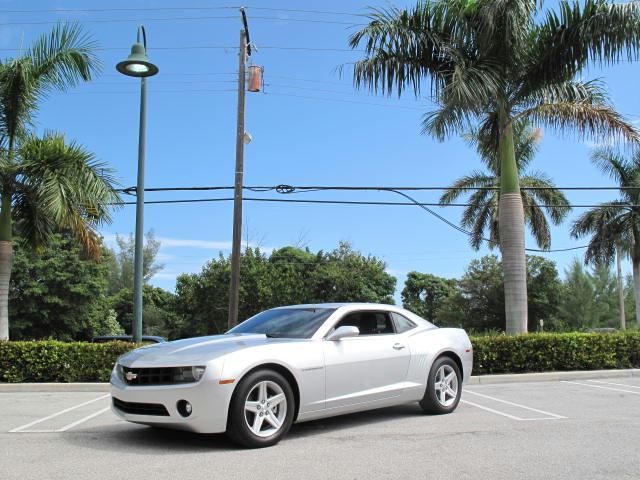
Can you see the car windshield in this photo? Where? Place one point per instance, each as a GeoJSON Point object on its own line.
{"type": "Point", "coordinates": [286, 322]}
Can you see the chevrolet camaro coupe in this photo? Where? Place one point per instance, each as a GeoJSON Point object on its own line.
{"type": "Point", "coordinates": [293, 364]}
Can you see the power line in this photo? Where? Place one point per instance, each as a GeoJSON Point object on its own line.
{"type": "Point", "coordinates": [147, 9]}
{"type": "Point", "coordinates": [179, 19]}
{"type": "Point", "coordinates": [282, 188]}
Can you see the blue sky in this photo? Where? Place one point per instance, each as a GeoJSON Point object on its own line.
{"type": "Point", "coordinates": [309, 128]}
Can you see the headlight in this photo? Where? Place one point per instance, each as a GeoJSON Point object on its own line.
{"type": "Point", "coordinates": [117, 371]}
{"type": "Point", "coordinates": [188, 374]}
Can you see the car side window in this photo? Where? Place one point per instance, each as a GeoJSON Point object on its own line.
{"type": "Point", "coordinates": [369, 323]}
{"type": "Point", "coordinates": [402, 323]}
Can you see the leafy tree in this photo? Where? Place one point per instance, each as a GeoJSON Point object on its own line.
{"type": "Point", "coordinates": [159, 316]}
{"type": "Point", "coordinates": [57, 292]}
{"type": "Point", "coordinates": [345, 275]}
{"type": "Point", "coordinates": [288, 276]}
{"type": "Point", "coordinates": [482, 213]}
{"type": "Point", "coordinates": [492, 64]}
{"type": "Point", "coordinates": [46, 184]}
{"type": "Point", "coordinates": [107, 325]}
{"type": "Point", "coordinates": [424, 293]}
{"type": "Point", "coordinates": [478, 301]}
{"type": "Point", "coordinates": [589, 299]}
{"type": "Point", "coordinates": [122, 261]}
{"type": "Point", "coordinates": [615, 224]}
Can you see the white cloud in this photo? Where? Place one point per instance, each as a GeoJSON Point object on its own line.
{"type": "Point", "coordinates": [171, 242]}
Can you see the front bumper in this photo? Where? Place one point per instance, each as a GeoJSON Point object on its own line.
{"type": "Point", "coordinates": [210, 402]}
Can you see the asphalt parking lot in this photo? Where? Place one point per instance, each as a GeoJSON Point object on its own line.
{"type": "Point", "coordinates": [578, 429]}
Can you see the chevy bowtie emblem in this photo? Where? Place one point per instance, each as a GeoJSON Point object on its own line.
{"type": "Point", "coordinates": [130, 376]}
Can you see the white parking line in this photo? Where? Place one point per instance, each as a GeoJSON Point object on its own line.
{"type": "Point", "coordinates": [512, 417]}
{"type": "Point", "coordinates": [82, 420]}
{"type": "Point", "coordinates": [600, 386]}
{"type": "Point", "coordinates": [553, 415]}
{"type": "Point", "coordinates": [57, 414]}
{"type": "Point", "coordinates": [616, 384]}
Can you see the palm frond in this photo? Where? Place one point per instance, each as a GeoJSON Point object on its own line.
{"type": "Point", "coordinates": [582, 33]}
{"type": "Point", "coordinates": [67, 185]}
{"type": "Point", "coordinates": [63, 57]}
{"type": "Point", "coordinates": [592, 91]}
{"type": "Point", "coordinates": [590, 120]}
{"type": "Point", "coordinates": [537, 221]}
{"type": "Point", "coordinates": [608, 224]}
{"type": "Point", "coordinates": [546, 196]}
{"type": "Point", "coordinates": [403, 47]}
{"type": "Point", "coordinates": [474, 180]}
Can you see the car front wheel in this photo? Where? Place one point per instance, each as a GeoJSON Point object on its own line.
{"type": "Point", "coordinates": [261, 410]}
{"type": "Point", "coordinates": [444, 387]}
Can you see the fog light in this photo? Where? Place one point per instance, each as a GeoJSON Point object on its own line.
{"type": "Point", "coordinates": [184, 408]}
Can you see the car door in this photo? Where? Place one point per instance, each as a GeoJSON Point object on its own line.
{"type": "Point", "coordinates": [372, 366]}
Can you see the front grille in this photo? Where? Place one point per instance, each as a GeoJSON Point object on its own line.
{"type": "Point", "coordinates": [141, 408]}
{"type": "Point", "coordinates": [155, 376]}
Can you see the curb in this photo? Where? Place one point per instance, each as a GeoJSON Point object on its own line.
{"type": "Point", "coordinates": [474, 380]}
{"type": "Point", "coordinates": [551, 376]}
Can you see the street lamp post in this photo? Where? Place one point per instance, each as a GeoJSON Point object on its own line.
{"type": "Point", "coordinates": [138, 65]}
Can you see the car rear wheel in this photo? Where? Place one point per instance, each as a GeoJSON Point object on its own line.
{"type": "Point", "coordinates": [261, 410]}
{"type": "Point", "coordinates": [444, 387]}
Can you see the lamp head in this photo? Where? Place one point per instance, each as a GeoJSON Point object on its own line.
{"type": "Point", "coordinates": [137, 63]}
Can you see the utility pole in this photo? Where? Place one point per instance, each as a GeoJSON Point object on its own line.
{"type": "Point", "coordinates": [234, 286]}
{"type": "Point", "coordinates": [623, 320]}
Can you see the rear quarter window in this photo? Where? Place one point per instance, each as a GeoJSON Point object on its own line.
{"type": "Point", "coordinates": [402, 323]}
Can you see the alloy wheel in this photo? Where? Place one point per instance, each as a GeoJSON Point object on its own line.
{"type": "Point", "coordinates": [265, 408]}
{"type": "Point", "coordinates": [446, 385]}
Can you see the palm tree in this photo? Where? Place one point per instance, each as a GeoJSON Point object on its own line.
{"type": "Point", "coordinates": [615, 224]}
{"type": "Point", "coordinates": [45, 183]}
{"type": "Point", "coordinates": [537, 189]}
{"type": "Point", "coordinates": [492, 63]}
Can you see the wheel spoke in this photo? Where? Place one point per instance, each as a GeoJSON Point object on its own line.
{"type": "Point", "coordinates": [273, 420]}
{"type": "Point", "coordinates": [251, 406]}
{"type": "Point", "coordinates": [443, 396]}
{"type": "Point", "coordinates": [257, 424]}
{"type": "Point", "coordinates": [276, 399]}
{"type": "Point", "coordinates": [449, 378]}
{"type": "Point", "coordinates": [262, 392]}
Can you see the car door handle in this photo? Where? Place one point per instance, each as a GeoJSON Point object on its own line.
{"type": "Point", "coordinates": [398, 346]}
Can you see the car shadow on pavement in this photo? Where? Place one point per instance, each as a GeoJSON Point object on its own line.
{"type": "Point", "coordinates": [354, 420]}
{"type": "Point", "coordinates": [129, 438]}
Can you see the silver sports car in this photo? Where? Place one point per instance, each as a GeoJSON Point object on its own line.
{"type": "Point", "coordinates": [293, 364]}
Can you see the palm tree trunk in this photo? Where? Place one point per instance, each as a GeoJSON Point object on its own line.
{"type": "Point", "coordinates": [511, 228]}
{"type": "Point", "coordinates": [636, 286]}
{"type": "Point", "coordinates": [6, 257]}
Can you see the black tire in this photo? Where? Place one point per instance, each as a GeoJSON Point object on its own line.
{"type": "Point", "coordinates": [430, 403]}
{"type": "Point", "coordinates": [237, 427]}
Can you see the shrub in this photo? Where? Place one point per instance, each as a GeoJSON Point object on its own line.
{"type": "Point", "coordinates": [555, 351]}
{"type": "Point", "coordinates": [54, 361]}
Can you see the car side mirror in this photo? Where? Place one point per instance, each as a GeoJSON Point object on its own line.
{"type": "Point", "coordinates": [345, 331]}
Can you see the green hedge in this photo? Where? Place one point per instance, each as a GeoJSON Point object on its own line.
{"type": "Point", "coordinates": [52, 361]}
{"type": "Point", "coordinates": [543, 352]}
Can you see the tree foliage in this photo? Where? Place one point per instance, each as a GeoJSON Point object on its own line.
{"type": "Point", "coordinates": [424, 293]}
{"type": "Point", "coordinates": [478, 300]}
{"type": "Point", "coordinates": [58, 292]}
{"type": "Point", "coordinates": [122, 261]}
{"type": "Point", "coordinates": [287, 276]}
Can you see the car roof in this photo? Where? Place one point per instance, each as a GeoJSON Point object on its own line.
{"type": "Point", "coordinates": [381, 306]}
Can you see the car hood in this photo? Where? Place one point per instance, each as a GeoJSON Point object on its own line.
{"type": "Point", "coordinates": [192, 351]}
